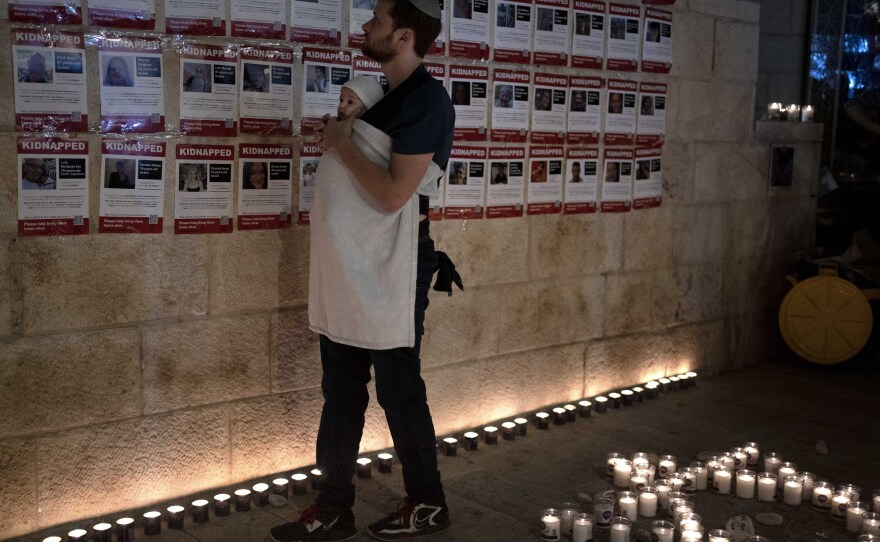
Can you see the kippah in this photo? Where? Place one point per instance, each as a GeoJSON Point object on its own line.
{"type": "Point", "coordinates": [431, 8]}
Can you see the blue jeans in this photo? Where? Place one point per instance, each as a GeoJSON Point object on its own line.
{"type": "Point", "coordinates": [400, 391]}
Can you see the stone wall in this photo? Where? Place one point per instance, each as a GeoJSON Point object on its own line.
{"type": "Point", "coordinates": [783, 52]}
{"type": "Point", "coordinates": [134, 368]}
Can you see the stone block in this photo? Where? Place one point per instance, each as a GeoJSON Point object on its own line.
{"type": "Point", "coordinates": [296, 352]}
{"type": "Point", "coordinates": [274, 433]}
{"type": "Point", "coordinates": [698, 347]}
{"type": "Point", "coordinates": [715, 111]}
{"type": "Point", "coordinates": [628, 303]}
{"type": "Point", "coordinates": [613, 363]}
{"type": "Point", "coordinates": [206, 361]}
{"type": "Point", "coordinates": [692, 57]}
{"type": "Point", "coordinates": [785, 88]}
{"type": "Point", "coordinates": [546, 313]}
{"type": "Point", "coordinates": [7, 113]}
{"type": "Point", "coordinates": [103, 469]}
{"type": "Point", "coordinates": [647, 239]}
{"type": "Point", "coordinates": [726, 171]}
{"type": "Point", "coordinates": [767, 131]}
{"type": "Point", "coordinates": [458, 393]}
{"type": "Point", "coordinates": [127, 278]}
{"type": "Point", "coordinates": [9, 175]}
{"type": "Point", "coordinates": [464, 326]}
{"type": "Point", "coordinates": [701, 233]}
{"type": "Point", "coordinates": [736, 51]}
{"type": "Point", "coordinates": [259, 270]}
{"type": "Point", "coordinates": [732, 9]}
{"type": "Point", "coordinates": [562, 246]}
{"type": "Point", "coordinates": [759, 283]}
{"type": "Point", "coordinates": [776, 16]}
{"type": "Point", "coordinates": [59, 381]}
{"type": "Point", "coordinates": [751, 339]}
{"type": "Point", "coordinates": [485, 251]}
{"type": "Point", "coordinates": [678, 172]}
{"type": "Point", "coordinates": [801, 11]}
{"type": "Point", "coordinates": [689, 294]}
{"type": "Point", "coordinates": [18, 487]}
{"type": "Point", "coordinates": [8, 284]}
{"type": "Point", "coordinates": [781, 54]}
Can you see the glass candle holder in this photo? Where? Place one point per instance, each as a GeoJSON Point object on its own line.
{"type": "Point", "coordinates": [450, 446]}
{"type": "Point", "coordinates": [727, 460]}
{"type": "Point", "coordinates": [582, 529]}
{"type": "Point", "coordinates": [662, 531]}
{"type": "Point", "coordinates": [175, 517]}
{"type": "Point", "coordinates": [641, 460]}
{"type": "Point", "coordinates": [740, 458]}
{"type": "Point", "coordinates": [385, 463]}
{"type": "Point", "coordinates": [793, 113]}
{"type": "Point", "coordinates": [648, 497]}
{"type": "Point", "coordinates": [628, 397]}
{"type": "Point", "coordinates": [720, 535]}
{"type": "Point", "coordinates": [364, 467]}
{"type": "Point", "coordinates": [767, 487]}
{"type": "Point", "coordinates": [611, 460]}
{"type": "Point", "coordinates": [620, 529]}
{"type": "Point", "coordinates": [542, 421]}
{"type": "Point", "coordinates": [508, 431]}
{"type": "Point", "coordinates": [678, 480]}
{"type": "Point", "coordinates": [603, 511]}
{"type": "Point", "coordinates": [702, 472]}
{"type": "Point", "coordinates": [600, 404]}
{"type": "Point", "coordinates": [551, 525]}
{"type": "Point", "coordinates": [299, 483]}
{"type": "Point", "coordinates": [822, 492]}
{"type": "Point", "coordinates": [152, 522]}
{"type": "Point", "coordinates": [522, 426]}
{"type": "Point", "coordinates": [622, 473]}
{"type": "Point", "coordinates": [754, 451]}
{"type": "Point", "coordinates": [260, 496]}
{"type": "Point", "coordinates": [559, 416]}
{"type": "Point", "coordinates": [809, 479]}
{"type": "Point", "coordinates": [691, 536]}
{"type": "Point", "coordinates": [640, 394]}
{"type": "Point", "coordinates": [772, 461]}
{"type": "Point", "coordinates": [679, 507]}
{"type": "Point", "coordinates": [690, 521]}
{"type": "Point", "coordinates": [490, 434]}
{"type": "Point", "coordinates": [665, 384]}
{"type": "Point", "coordinates": [628, 504]}
{"type": "Point", "coordinates": [614, 399]}
{"type": "Point", "coordinates": [640, 478]}
{"type": "Point", "coordinates": [664, 488]}
{"type": "Point", "coordinates": [690, 479]}
{"type": "Point", "coordinates": [566, 517]}
{"type": "Point", "coordinates": [571, 412]}
{"type": "Point", "coordinates": [876, 500]}
{"type": "Point", "coordinates": [774, 111]}
{"type": "Point", "coordinates": [711, 462]}
{"type": "Point", "coordinates": [839, 501]}
{"type": "Point", "coordinates": [102, 532]}
{"type": "Point", "coordinates": [585, 408]}
{"type": "Point", "coordinates": [871, 523]}
{"type": "Point", "coordinates": [854, 491]}
{"type": "Point", "coordinates": [652, 390]}
{"type": "Point", "coordinates": [793, 490]}
{"type": "Point", "coordinates": [125, 530]}
{"type": "Point", "coordinates": [786, 468]}
{"type": "Point", "coordinates": [471, 441]}
{"type": "Point", "coordinates": [221, 504]}
{"type": "Point", "coordinates": [315, 478]}
{"type": "Point", "coordinates": [280, 489]}
{"type": "Point", "coordinates": [722, 480]}
{"type": "Point", "coordinates": [200, 511]}
{"type": "Point", "coordinates": [667, 465]}
{"type": "Point", "coordinates": [242, 500]}
{"type": "Point", "coordinates": [854, 511]}
{"type": "Point", "coordinates": [868, 538]}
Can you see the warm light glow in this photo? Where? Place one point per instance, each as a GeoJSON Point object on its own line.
{"type": "Point", "coordinates": [614, 395]}
{"type": "Point", "coordinates": [664, 381]}
{"type": "Point", "coordinates": [652, 384]}
{"type": "Point", "coordinates": [601, 399]}
{"type": "Point", "coordinates": [105, 526]}
{"type": "Point", "coordinates": [52, 539]}
{"type": "Point", "coordinates": [203, 502]}
{"type": "Point", "coordinates": [673, 379]}
{"type": "Point", "coordinates": [152, 514]}
{"type": "Point", "coordinates": [521, 420]}
{"type": "Point", "coordinates": [508, 425]}
{"type": "Point", "coordinates": [364, 461]}
{"type": "Point", "coordinates": [542, 415]}
{"type": "Point", "coordinates": [450, 440]}
{"type": "Point", "coordinates": [559, 410]}
{"type": "Point", "coordinates": [585, 403]}
{"type": "Point", "coordinates": [259, 488]}
{"type": "Point", "coordinates": [225, 497]}
{"type": "Point", "coordinates": [691, 374]}
{"type": "Point", "coordinates": [389, 456]}
{"type": "Point", "coordinates": [279, 481]}
{"type": "Point", "coordinates": [490, 429]}
{"type": "Point", "coordinates": [124, 521]}
{"type": "Point", "coordinates": [569, 407]}
{"type": "Point", "coordinates": [626, 392]}
{"type": "Point", "coordinates": [471, 434]}
{"type": "Point", "coordinates": [315, 472]}
{"type": "Point", "coordinates": [242, 492]}
{"type": "Point", "coordinates": [638, 389]}
{"type": "Point", "coordinates": [175, 509]}
{"type": "Point", "coordinates": [298, 477]}
{"type": "Point", "coordinates": [76, 533]}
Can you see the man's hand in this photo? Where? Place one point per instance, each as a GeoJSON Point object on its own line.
{"type": "Point", "coordinates": [331, 132]}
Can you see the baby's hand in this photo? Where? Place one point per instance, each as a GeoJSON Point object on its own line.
{"type": "Point", "coordinates": [334, 132]}
{"type": "Point", "coordinates": [319, 128]}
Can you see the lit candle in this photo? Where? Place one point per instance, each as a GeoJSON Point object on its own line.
{"type": "Point", "coordinates": [690, 479]}
{"type": "Point", "coordinates": [622, 472]}
{"type": "Point", "coordinates": [774, 110]}
{"type": "Point", "coordinates": [299, 486]}
{"type": "Point", "coordinates": [585, 409]}
{"type": "Point", "coordinates": [756, 538]}
{"type": "Point", "coordinates": [364, 467]}
{"type": "Point", "coordinates": [102, 532]}
{"type": "Point", "coordinates": [125, 530]}
{"type": "Point", "coordinates": [651, 389]}
{"type": "Point", "coordinates": [740, 458]}
{"type": "Point", "coordinates": [280, 490]}
{"type": "Point", "coordinates": [628, 397]}
{"type": "Point", "coordinates": [566, 517]}
{"type": "Point", "coordinates": [560, 416]}
{"type": "Point", "coordinates": [522, 425]}
{"type": "Point", "coordinates": [822, 496]}
{"type": "Point", "coordinates": [720, 535]}
{"type": "Point", "coordinates": [78, 535]}
{"type": "Point", "coordinates": [601, 404]}
{"type": "Point", "coordinates": [611, 460]}
{"type": "Point", "coordinates": [628, 504]}
{"type": "Point", "coordinates": [745, 484]}
{"type": "Point", "coordinates": [668, 464]}
{"type": "Point", "coordinates": [868, 538]}
{"type": "Point", "coordinates": [771, 462]}
{"type": "Point", "coordinates": [640, 394]}
{"type": "Point", "coordinates": [794, 112]}
{"type": "Point", "coordinates": [385, 462]}
{"type": "Point", "coordinates": [690, 522]}
{"type": "Point", "coordinates": [243, 497]}
{"type": "Point", "coordinates": [648, 502]}
{"type": "Point", "coordinates": [582, 530]}
{"type": "Point", "coordinates": [603, 510]}
{"type": "Point", "coordinates": [221, 504]}
{"type": "Point", "coordinates": [693, 377]}
{"type": "Point", "coordinates": [876, 501]}
{"type": "Point", "coordinates": [753, 450]}
{"type": "Point", "coordinates": [649, 472]}
{"type": "Point", "coordinates": [854, 511]}
{"type": "Point", "coordinates": [550, 523]}
{"type": "Point", "coordinates": [316, 477]}
{"type": "Point", "coordinates": [261, 494]}
{"type": "Point", "coordinates": [662, 531]}
{"type": "Point", "coordinates": [721, 481]}
{"type": "Point", "coordinates": [871, 523]}
{"type": "Point", "coordinates": [785, 469]}
{"type": "Point", "coordinates": [702, 472]}
{"type": "Point", "coordinates": [809, 479]}
{"type": "Point", "coordinates": [175, 517]}
{"type": "Point", "coordinates": [508, 431]}
{"type": "Point", "coordinates": [726, 459]}
{"type": "Point", "coordinates": [490, 434]}
{"type": "Point", "coordinates": [641, 460]}
{"type": "Point", "coordinates": [673, 383]}
{"type": "Point", "coordinates": [680, 507]}
{"type": "Point", "coordinates": [691, 536]}
{"type": "Point", "coordinates": [152, 522]}
{"type": "Point", "coordinates": [542, 420]}
{"type": "Point", "coordinates": [664, 385]}
{"type": "Point", "coordinates": [471, 441]}
{"type": "Point", "coordinates": [678, 480]}
{"type": "Point", "coordinates": [767, 487]}
{"type": "Point", "coordinates": [854, 491]}
{"type": "Point", "coordinates": [807, 113]}
{"type": "Point", "coordinates": [450, 446]}
{"type": "Point", "coordinates": [711, 462]}
{"type": "Point", "coordinates": [571, 412]}
{"type": "Point", "coordinates": [620, 529]}
{"type": "Point", "coordinates": [52, 539]}
{"type": "Point", "coordinates": [638, 480]}
{"type": "Point", "coordinates": [200, 510]}
{"type": "Point", "coordinates": [792, 490]}
{"type": "Point", "coordinates": [839, 501]}
{"type": "Point", "coordinates": [664, 488]}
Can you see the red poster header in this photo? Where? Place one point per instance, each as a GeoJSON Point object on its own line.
{"type": "Point", "coordinates": [311, 54]}
{"type": "Point", "coordinates": [52, 145]}
{"type": "Point", "coordinates": [546, 152]}
{"type": "Point", "coordinates": [649, 152]}
{"type": "Point", "coordinates": [586, 82]}
{"type": "Point", "coordinates": [253, 150]}
{"type": "Point", "coordinates": [651, 13]}
{"type": "Point", "coordinates": [475, 153]}
{"type": "Point", "coordinates": [654, 88]}
{"type": "Point", "coordinates": [585, 5]}
{"type": "Point", "coordinates": [618, 154]}
{"type": "Point", "coordinates": [583, 152]}
{"type": "Point", "coordinates": [284, 56]}
{"type": "Point", "coordinates": [133, 147]}
{"type": "Point", "coordinates": [620, 84]}
{"type": "Point", "coordinates": [469, 72]}
{"type": "Point", "coordinates": [623, 9]}
{"type": "Point", "coordinates": [549, 80]}
{"type": "Point", "coordinates": [130, 44]}
{"type": "Point", "coordinates": [516, 153]}
{"type": "Point", "coordinates": [62, 40]}
{"type": "Point", "coordinates": [206, 152]}
{"type": "Point", "coordinates": [511, 76]}
{"type": "Point", "coordinates": [203, 51]}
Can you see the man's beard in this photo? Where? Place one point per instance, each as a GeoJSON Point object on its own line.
{"type": "Point", "coordinates": [381, 52]}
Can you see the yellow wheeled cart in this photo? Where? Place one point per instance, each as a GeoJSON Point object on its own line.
{"type": "Point", "coordinates": [826, 319]}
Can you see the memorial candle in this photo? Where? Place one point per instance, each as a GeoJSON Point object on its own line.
{"type": "Point", "coordinates": [508, 431]}
{"type": "Point", "coordinates": [560, 416]}
{"type": "Point", "coordinates": [628, 396]}
{"type": "Point", "coordinates": [809, 479]}
{"type": "Point", "coordinates": [722, 480]}
{"type": "Point", "coordinates": [877, 501]}
{"type": "Point", "coordinates": [740, 458]}
{"type": "Point", "coordinates": [571, 411]}
{"type": "Point", "coordinates": [726, 459]}
{"type": "Point", "coordinates": [550, 525]}
{"type": "Point", "coordinates": [754, 452]}
{"type": "Point", "coordinates": [792, 490]}
{"type": "Point", "coordinates": [364, 467]}
{"type": "Point", "coordinates": [664, 488]}
{"type": "Point", "coordinates": [839, 501]}
{"type": "Point", "coordinates": [79, 535]}
{"type": "Point", "coordinates": [785, 469]}
{"type": "Point", "coordinates": [628, 504]}
{"type": "Point", "coordinates": [603, 510]}
{"type": "Point", "coordinates": [711, 462]}
{"type": "Point", "coordinates": [175, 517]}
{"type": "Point", "coordinates": [720, 535]}
{"type": "Point", "coordinates": [767, 487]}
{"type": "Point", "coordinates": [542, 420]}
{"type": "Point", "coordinates": [585, 408]}
{"type": "Point", "coordinates": [771, 462]}
{"type": "Point", "coordinates": [490, 434]}
{"type": "Point", "coordinates": [611, 461]}
{"type": "Point", "coordinates": [622, 472]}
{"type": "Point", "coordinates": [299, 486]}
{"type": "Point", "coordinates": [807, 113]}
{"type": "Point", "coordinates": [662, 531]}
{"type": "Point", "coordinates": [702, 472]}
{"type": "Point", "coordinates": [854, 511]}
{"type": "Point", "coordinates": [242, 500]}
{"type": "Point", "coordinates": [690, 522]}
{"type": "Point", "coordinates": [582, 530]}
{"type": "Point", "coordinates": [822, 496]}
{"type": "Point", "coordinates": [668, 464]}
{"type": "Point", "coordinates": [152, 522]}
{"type": "Point", "coordinates": [385, 462]}
{"type": "Point", "coordinates": [601, 404]}
{"type": "Point", "coordinates": [102, 532]}
{"type": "Point", "coordinates": [691, 536]}
{"type": "Point", "coordinates": [200, 511]}
{"type": "Point", "coordinates": [614, 399]}
{"type": "Point", "coordinates": [125, 530]}
{"type": "Point", "coordinates": [854, 490]}
{"type": "Point", "coordinates": [641, 460]}
{"type": "Point", "coordinates": [471, 441]}
{"type": "Point", "coordinates": [261, 494]}
{"type": "Point", "coordinates": [566, 518]}
{"type": "Point", "coordinates": [620, 529]}
{"type": "Point", "coordinates": [690, 479]}
{"type": "Point", "coordinates": [871, 523]}
{"type": "Point", "coordinates": [522, 426]}
{"type": "Point", "coordinates": [648, 502]}
{"type": "Point", "coordinates": [680, 507]}
{"type": "Point", "coordinates": [678, 481]}
{"type": "Point", "coordinates": [221, 504]}
{"type": "Point", "coordinates": [638, 480]}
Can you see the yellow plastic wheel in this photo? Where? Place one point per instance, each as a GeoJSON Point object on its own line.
{"type": "Point", "coordinates": [825, 319]}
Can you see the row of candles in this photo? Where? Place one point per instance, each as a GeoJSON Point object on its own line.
{"type": "Point", "coordinates": [777, 111]}
{"type": "Point", "coordinates": [673, 487]}
{"type": "Point", "coordinates": [277, 494]}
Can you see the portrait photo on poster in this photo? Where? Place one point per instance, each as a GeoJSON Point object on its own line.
{"type": "Point", "coordinates": [457, 173]}
{"type": "Point", "coordinates": [38, 173]}
{"type": "Point", "coordinates": [120, 173]}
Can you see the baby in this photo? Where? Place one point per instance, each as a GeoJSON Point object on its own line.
{"type": "Point", "coordinates": [357, 95]}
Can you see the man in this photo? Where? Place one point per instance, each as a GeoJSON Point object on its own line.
{"type": "Point", "coordinates": [615, 103]}
{"type": "Point", "coordinates": [578, 101]}
{"type": "Point", "coordinates": [575, 173]}
{"type": "Point", "coordinates": [34, 175]}
{"type": "Point", "coordinates": [197, 82]}
{"type": "Point", "coordinates": [119, 178]}
{"type": "Point", "coordinates": [418, 116]}
{"type": "Point", "coordinates": [36, 70]}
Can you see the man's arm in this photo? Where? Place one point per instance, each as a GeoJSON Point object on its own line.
{"type": "Point", "coordinates": [391, 188]}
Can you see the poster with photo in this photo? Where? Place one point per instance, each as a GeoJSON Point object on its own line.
{"type": "Point", "coordinates": [507, 182]}
{"type": "Point", "coordinates": [45, 11]}
{"type": "Point", "coordinates": [510, 106]}
{"type": "Point", "coordinates": [208, 90]}
{"type": "Point", "coordinates": [195, 17]}
{"type": "Point", "coordinates": [469, 29]}
{"type": "Point", "coordinates": [265, 186]}
{"type": "Point", "coordinates": [581, 180]}
{"type": "Point", "coordinates": [467, 87]}
{"type": "Point", "coordinates": [259, 19]}
{"type": "Point", "coordinates": [588, 37]}
{"type": "Point", "coordinates": [651, 128]}
{"type": "Point", "coordinates": [617, 181]}
{"type": "Point", "coordinates": [657, 42]}
{"type": "Point", "coordinates": [324, 73]}
{"type": "Point", "coordinates": [132, 84]}
{"type": "Point", "coordinates": [438, 71]}
{"type": "Point", "coordinates": [360, 11]}
{"type": "Point", "coordinates": [369, 67]}
{"type": "Point", "coordinates": [266, 97]}
{"type": "Point", "coordinates": [552, 21]}
{"type": "Point", "coordinates": [132, 186]}
{"type": "Point", "coordinates": [316, 22]}
{"type": "Point", "coordinates": [465, 183]}
{"type": "Point", "coordinates": [620, 115]}
{"type": "Point", "coordinates": [513, 31]}
{"type": "Point", "coordinates": [623, 38]}
{"type": "Point", "coordinates": [546, 173]}
{"type": "Point", "coordinates": [53, 189]}
{"type": "Point", "coordinates": [439, 46]}
{"type": "Point", "coordinates": [584, 110]}
{"type": "Point", "coordinates": [128, 14]}
{"type": "Point", "coordinates": [50, 81]}
{"type": "Point", "coordinates": [549, 108]}
{"type": "Point", "coordinates": [309, 156]}
{"type": "Point", "coordinates": [204, 176]}
{"type": "Point", "coordinates": [648, 181]}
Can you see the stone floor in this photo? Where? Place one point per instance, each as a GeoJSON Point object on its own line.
{"type": "Point", "coordinates": [497, 492]}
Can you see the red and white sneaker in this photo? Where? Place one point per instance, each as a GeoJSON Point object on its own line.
{"type": "Point", "coordinates": [412, 520]}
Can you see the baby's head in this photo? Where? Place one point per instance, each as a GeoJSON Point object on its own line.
{"type": "Point", "coordinates": [358, 95]}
